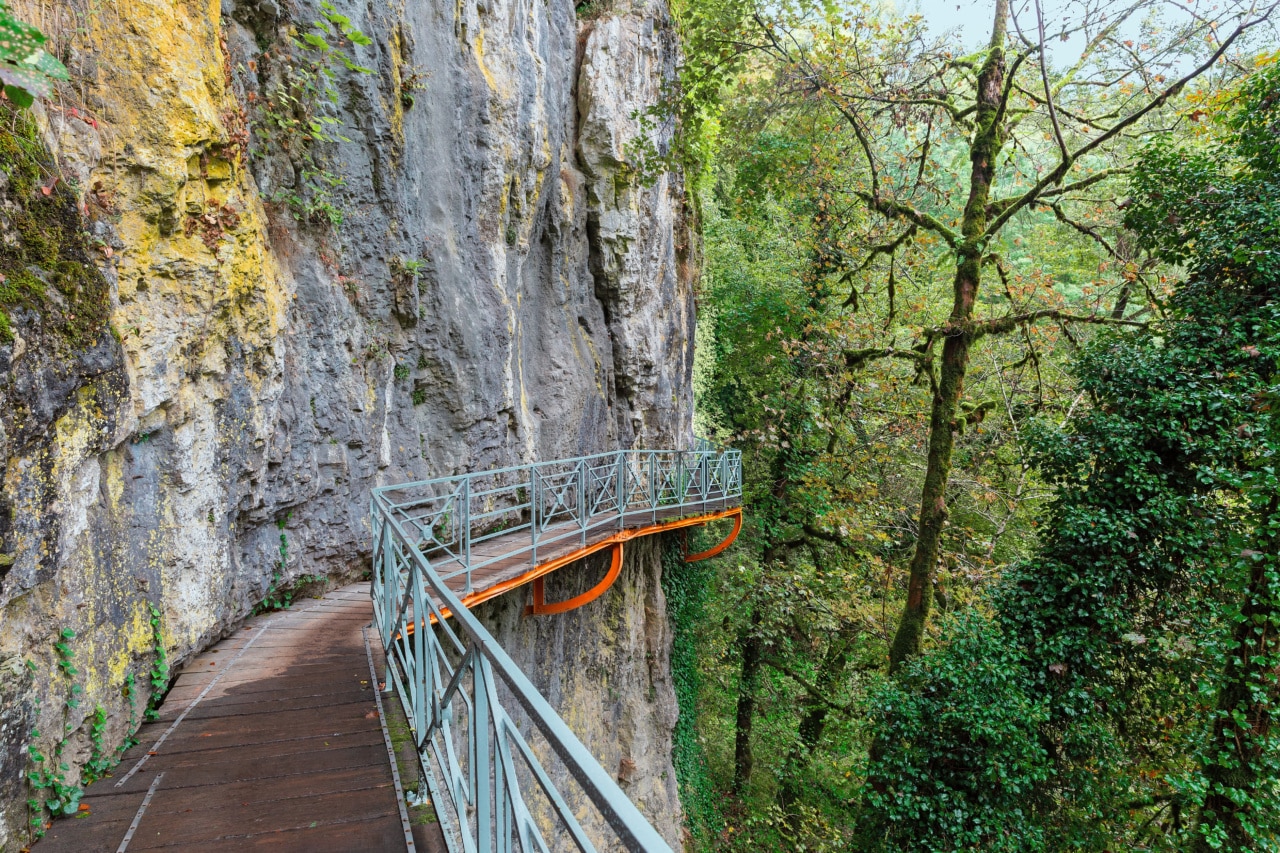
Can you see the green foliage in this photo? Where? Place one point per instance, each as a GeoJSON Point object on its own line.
{"type": "Point", "coordinates": [26, 69]}
{"type": "Point", "coordinates": [159, 674]}
{"type": "Point", "coordinates": [689, 110]}
{"type": "Point", "coordinates": [685, 586]}
{"type": "Point", "coordinates": [99, 763]}
{"type": "Point", "coordinates": [130, 692]}
{"type": "Point", "coordinates": [413, 266]}
{"type": "Point", "coordinates": [297, 113]}
{"type": "Point", "coordinates": [1139, 644]}
{"type": "Point", "coordinates": [961, 756]}
{"type": "Point", "coordinates": [1216, 205]}
{"type": "Point", "coordinates": [276, 598]}
{"type": "Point", "coordinates": [65, 653]}
{"type": "Point", "coordinates": [47, 777]}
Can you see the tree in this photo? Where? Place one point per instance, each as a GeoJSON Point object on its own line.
{"type": "Point", "coordinates": [905, 101]}
{"type": "Point", "coordinates": [1138, 648]}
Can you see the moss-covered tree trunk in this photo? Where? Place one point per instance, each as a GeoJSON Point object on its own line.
{"type": "Point", "coordinates": [749, 646]}
{"type": "Point", "coordinates": [989, 137]}
{"type": "Point", "coordinates": [1250, 689]}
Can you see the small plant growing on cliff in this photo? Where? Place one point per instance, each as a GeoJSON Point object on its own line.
{"type": "Point", "coordinates": [99, 764]}
{"type": "Point", "coordinates": [276, 599]}
{"type": "Point", "coordinates": [27, 70]}
{"type": "Point", "coordinates": [159, 668]}
{"type": "Point", "coordinates": [50, 790]}
{"type": "Point", "coordinates": [65, 653]}
{"type": "Point", "coordinates": [296, 113]}
{"type": "Point", "coordinates": [411, 83]}
{"type": "Point", "coordinates": [130, 693]}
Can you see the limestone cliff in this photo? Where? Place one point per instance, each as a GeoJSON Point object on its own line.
{"type": "Point", "coordinates": [276, 274]}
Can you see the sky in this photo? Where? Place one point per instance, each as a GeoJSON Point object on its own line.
{"type": "Point", "coordinates": [972, 18]}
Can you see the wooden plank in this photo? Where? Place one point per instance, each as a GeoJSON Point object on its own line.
{"type": "Point", "coordinates": [270, 739]}
{"type": "Point", "coordinates": [375, 834]}
{"type": "Point", "coordinates": [225, 819]}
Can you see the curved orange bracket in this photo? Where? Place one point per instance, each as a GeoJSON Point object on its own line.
{"type": "Point", "coordinates": [728, 540]}
{"type": "Point", "coordinates": [536, 573]}
{"type": "Point", "coordinates": [541, 608]}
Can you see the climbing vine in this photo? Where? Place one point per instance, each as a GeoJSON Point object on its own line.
{"type": "Point", "coordinates": [50, 790]}
{"type": "Point", "coordinates": [159, 675]}
{"type": "Point", "coordinates": [686, 586]}
{"type": "Point", "coordinates": [277, 598]}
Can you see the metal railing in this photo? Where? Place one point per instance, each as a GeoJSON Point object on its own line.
{"type": "Point", "coordinates": [553, 503]}
{"type": "Point", "coordinates": [490, 789]}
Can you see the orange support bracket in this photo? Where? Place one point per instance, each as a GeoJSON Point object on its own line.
{"type": "Point", "coordinates": [540, 606]}
{"type": "Point", "coordinates": [728, 540]}
{"type": "Point", "coordinates": [537, 573]}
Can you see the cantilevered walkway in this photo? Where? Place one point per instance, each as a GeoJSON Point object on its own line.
{"type": "Point", "coordinates": [275, 739]}
{"type": "Point", "coordinates": [485, 735]}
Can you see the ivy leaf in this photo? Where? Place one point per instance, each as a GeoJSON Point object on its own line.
{"type": "Point", "coordinates": [18, 40]}
{"type": "Point", "coordinates": [32, 84]}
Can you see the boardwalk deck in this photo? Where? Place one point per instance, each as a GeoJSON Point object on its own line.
{"type": "Point", "coordinates": [270, 740]}
{"type": "Point", "coordinates": [500, 560]}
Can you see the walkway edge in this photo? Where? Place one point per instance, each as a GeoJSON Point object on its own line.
{"type": "Point", "coordinates": [386, 739]}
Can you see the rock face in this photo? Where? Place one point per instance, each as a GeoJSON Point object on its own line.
{"type": "Point", "coordinates": [605, 668]}
{"type": "Point", "coordinates": [322, 266]}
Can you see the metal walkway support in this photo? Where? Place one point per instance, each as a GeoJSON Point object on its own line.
{"type": "Point", "coordinates": [442, 544]}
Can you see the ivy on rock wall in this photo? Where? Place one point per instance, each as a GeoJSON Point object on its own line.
{"type": "Point", "coordinates": [686, 586]}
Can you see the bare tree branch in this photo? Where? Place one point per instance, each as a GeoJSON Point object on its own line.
{"type": "Point", "coordinates": [1064, 166]}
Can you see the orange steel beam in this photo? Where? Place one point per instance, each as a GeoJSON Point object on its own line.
{"type": "Point", "coordinates": [621, 536]}
{"type": "Point", "coordinates": [541, 608]}
{"type": "Point", "coordinates": [728, 540]}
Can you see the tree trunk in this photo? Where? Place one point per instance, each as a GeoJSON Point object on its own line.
{"type": "Point", "coordinates": [813, 720]}
{"type": "Point", "coordinates": [749, 645]}
{"type": "Point", "coordinates": [988, 139]}
{"type": "Point", "coordinates": [1246, 702]}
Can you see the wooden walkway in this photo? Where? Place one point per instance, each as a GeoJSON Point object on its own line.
{"type": "Point", "coordinates": [502, 561]}
{"type": "Point", "coordinates": [273, 739]}
{"type": "Point", "coordinates": [270, 740]}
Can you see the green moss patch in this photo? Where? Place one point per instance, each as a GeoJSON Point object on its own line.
{"type": "Point", "coordinates": [44, 255]}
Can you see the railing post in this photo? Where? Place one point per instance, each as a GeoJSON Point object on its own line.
{"type": "Point", "coordinates": [391, 576]}
{"type": "Point", "coordinates": [624, 489]}
{"type": "Point", "coordinates": [481, 752]}
{"type": "Point", "coordinates": [582, 499]}
{"type": "Point", "coordinates": [653, 487]}
{"type": "Point", "coordinates": [466, 527]}
{"type": "Point", "coordinates": [705, 474]}
{"type": "Point", "coordinates": [533, 510]}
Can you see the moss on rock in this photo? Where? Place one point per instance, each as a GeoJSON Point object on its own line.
{"type": "Point", "coordinates": [43, 244]}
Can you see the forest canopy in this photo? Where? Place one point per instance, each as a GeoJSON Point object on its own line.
{"type": "Point", "coordinates": [997, 333]}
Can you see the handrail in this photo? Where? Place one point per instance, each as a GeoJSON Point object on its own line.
{"type": "Point", "coordinates": [555, 501]}
{"type": "Point", "coordinates": [447, 671]}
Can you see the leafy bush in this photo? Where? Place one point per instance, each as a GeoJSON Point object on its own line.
{"type": "Point", "coordinates": [959, 757]}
